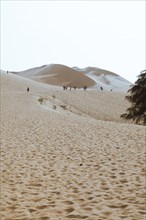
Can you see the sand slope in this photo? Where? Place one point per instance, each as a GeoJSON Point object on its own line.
{"type": "Point", "coordinates": [63, 163]}
{"type": "Point", "coordinates": [57, 74]}
{"type": "Point", "coordinates": [106, 79]}
{"type": "Point", "coordinates": [60, 75]}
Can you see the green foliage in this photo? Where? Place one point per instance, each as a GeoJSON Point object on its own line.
{"type": "Point", "coordinates": [137, 98]}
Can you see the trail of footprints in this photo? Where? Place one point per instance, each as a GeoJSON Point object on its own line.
{"type": "Point", "coordinates": [62, 168]}
{"type": "Point", "coordinates": [45, 181]}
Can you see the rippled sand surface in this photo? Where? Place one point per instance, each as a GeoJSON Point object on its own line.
{"type": "Point", "coordinates": [72, 161]}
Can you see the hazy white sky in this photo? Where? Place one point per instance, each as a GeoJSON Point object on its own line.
{"type": "Point", "coordinates": [104, 34]}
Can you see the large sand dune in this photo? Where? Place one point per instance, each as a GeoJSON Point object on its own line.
{"type": "Point", "coordinates": [61, 75]}
{"type": "Point", "coordinates": [71, 157]}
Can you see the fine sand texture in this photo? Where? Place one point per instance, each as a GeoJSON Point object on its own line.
{"type": "Point", "coordinates": [68, 155]}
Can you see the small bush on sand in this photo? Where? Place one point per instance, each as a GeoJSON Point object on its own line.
{"type": "Point", "coordinates": [64, 107]}
{"type": "Point", "coordinates": [41, 100]}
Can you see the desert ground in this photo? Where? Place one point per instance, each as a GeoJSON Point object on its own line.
{"type": "Point", "coordinates": [68, 154]}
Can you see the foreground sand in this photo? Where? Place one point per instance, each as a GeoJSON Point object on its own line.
{"type": "Point", "coordinates": [59, 162]}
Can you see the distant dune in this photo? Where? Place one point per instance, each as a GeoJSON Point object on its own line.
{"type": "Point", "coordinates": [92, 77]}
{"type": "Point", "coordinates": [97, 71]}
{"type": "Point", "coordinates": [106, 79]}
{"type": "Point", "coordinates": [59, 75]}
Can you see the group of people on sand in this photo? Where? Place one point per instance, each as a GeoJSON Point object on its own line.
{"type": "Point", "coordinates": [65, 88]}
{"type": "Point", "coordinates": [84, 87]}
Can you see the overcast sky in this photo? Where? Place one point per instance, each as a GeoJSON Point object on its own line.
{"type": "Point", "coordinates": [104, 34]}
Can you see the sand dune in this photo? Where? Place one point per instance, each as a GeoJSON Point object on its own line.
{"type": "Point", "coordinates": [97, 71]}
{"type": "Point", "coordinates": [60, 75]}
{"type": "Point", "coordinates": [107, 79]}
{"type": "Point", "coordinates": [77, 160]}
